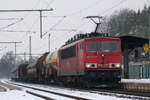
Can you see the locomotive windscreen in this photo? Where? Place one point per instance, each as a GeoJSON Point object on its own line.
{"type": "Point", "coordinates": [99, 46]}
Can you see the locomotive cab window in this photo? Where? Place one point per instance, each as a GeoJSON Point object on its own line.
{"type": "Point", "coordinates": [107, 46]}
{"type": "Point", "coordinates": [92, 46]}
{"type": "Point", "coordinates": [68, 52]}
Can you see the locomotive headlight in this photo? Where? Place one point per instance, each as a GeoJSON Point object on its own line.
{"type": "Point", "coordinates": [91, 65]}
{"type": "Point", "coordinates": [114, 65]}
{"type": "Point", "coordinates": [88, 65]}
{"type": "Point", "coordinates": [117, 65]}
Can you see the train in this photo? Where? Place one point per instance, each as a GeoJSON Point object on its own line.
{"type": "Point", "coordinates": [87, 59]}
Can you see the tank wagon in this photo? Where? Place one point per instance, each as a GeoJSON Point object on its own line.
{"type": "Point", "coordinates": [31, 75]}
{"type": "Point", "coordinates": [51, 66]}
{"type": "Point", "coordinates": [22, 72]}
{"type": "Point", "coordinates": [41, 67]}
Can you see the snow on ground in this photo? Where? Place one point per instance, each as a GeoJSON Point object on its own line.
{"type": "Point", "coordinates": [17, 95]}
{"type": "Point", "coordinates": [22, 95]}
{"type": "Point", "coordinates": [74, 92]}
{"type": "Point", "coordinates": [135, 80]}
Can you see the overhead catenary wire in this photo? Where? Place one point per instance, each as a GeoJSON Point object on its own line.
{"type": "Point", "coordinates": [86, 8]}
{"type": "Point", "coordinates": [9, 25]}
{"type": "Point", "coordinates": [50, 3]}
{"type": "Point", "coordinates": [58, 22]}
{"type": "Point", "coordinates": [114, 6]}
{"type": "Point", "coordinates": [2, 29]}
{"type": "Point", "coordinates": [24, 31]}
{"type": "Point", "coordinates": [10, 18]}
{"type": "Point", "coordinates": [77, 28]}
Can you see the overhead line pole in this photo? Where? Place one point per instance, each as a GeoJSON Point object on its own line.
{"type": "Point", "coordinates": [33, 10]}
{"type": "Point", "coordinates": [49, 43]}
{"type": "Point", "coordinates": [41, 24]}
{"type": "Point", "coordinates": [15, 48]}
{"type": "Point", "coordinates": [30, 49]}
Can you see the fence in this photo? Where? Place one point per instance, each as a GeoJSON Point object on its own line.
{"type": "Point", "coordinates": [139, 71]}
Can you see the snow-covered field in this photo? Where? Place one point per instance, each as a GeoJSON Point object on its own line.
{"type": "Point", "coordinates": [22, 95]}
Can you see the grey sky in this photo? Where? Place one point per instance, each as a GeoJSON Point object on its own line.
{"type": "Point", "coordinates": [75, 10]}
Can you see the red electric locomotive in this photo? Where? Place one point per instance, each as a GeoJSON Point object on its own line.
{"type": "Point", "coordinates": [92, 59]}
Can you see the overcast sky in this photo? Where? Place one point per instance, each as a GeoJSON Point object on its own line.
{"type": "Point", "coordinates": [74, 10]}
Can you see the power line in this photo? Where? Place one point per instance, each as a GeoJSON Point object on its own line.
{"type": "Point", "coordinates": [62, 30]}
{"type": "Point", "coordinates": [86, 8]}
{"type": "Point", "coordinates": [33, 10]}
{"type": "Point", "coordinates": [54, 25]}
{"type": "Point", "coordinates": [77, 28]}
{"type": "Point", "coordinates": [17, 31]}
{"type": "Point", "coordinates": [41, 15]}
{"type": "Point", "coordinates": [33, 7]}
{"type": "Point", "coordinates": [50, 3]}
{"type": "Point", "coordinates": [19, 18]}
{"type": "Point", "coordinates": [10, 18]}
{"type": "Point", "coordinates": [9, 25]}
{"type": "Point", "coordinates": [116, 5]}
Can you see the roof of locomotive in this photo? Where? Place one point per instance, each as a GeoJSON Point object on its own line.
{"type": "Point", "coordinates": [88, 38]}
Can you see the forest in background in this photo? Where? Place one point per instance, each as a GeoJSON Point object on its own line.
{"type": "Point", "coordinates": [8, 63]}
{"type": "Point", "coordinates": [129, 22]}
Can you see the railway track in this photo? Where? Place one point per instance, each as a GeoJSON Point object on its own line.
{"type": "Point", "coordinates": [119, 93]}
{"type": "Point", "coordinates": [48, 91]}
{"type": "Point", "coordinates": [3, 89]}
{"type": "Point", "coordinates": [6, 87]}
{"type": "Point", "coordinates": [123, 94]}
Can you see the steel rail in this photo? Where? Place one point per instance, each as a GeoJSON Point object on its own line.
{"type": "Point", "coordinates": [55, 93]}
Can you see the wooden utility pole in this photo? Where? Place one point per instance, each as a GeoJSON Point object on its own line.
{"type": "Point", "coordinates": [34, 10]}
